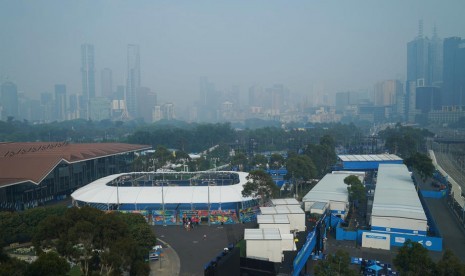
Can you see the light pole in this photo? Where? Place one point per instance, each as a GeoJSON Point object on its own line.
{"type": "Point", "coordinates": [163, 203]}
{"type": "Point", "coordinates": [117, 194]}
{"type": "Point", "coordinates": [208, 214]}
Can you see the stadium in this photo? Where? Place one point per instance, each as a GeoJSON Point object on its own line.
{"type": "Point", "coordinates": [169, 197]}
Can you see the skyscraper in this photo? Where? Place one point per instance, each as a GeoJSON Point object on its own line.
{"type": "Point", "coordinates": [60, 102]}
{"type": "Point", "coordinates": [133, 79]}
{"type": "Point", "coordinates": [435, 56]}
{"type": "Point", "coordinates": [107, 83]}
{"type": "Point", "coordinates": [424, 66]}
{"type": "Point", "coordinates": [454, 72]}
{"type": "Point", "coordinates": [417, 59]}
{"type": "Point", "coordinates": [9, 100]}
{"type": "Point", "coordinates": [88, 78]}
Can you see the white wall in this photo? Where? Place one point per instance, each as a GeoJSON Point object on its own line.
{"type": "Point", "coordinates": [376, 240]}
{"type": "Point", "coordinates": [287, 242]}
{"type": "Point", "coordinates": [264, 249]}
{"type": "Point", "coordinates": [400, 223]}
{"type": "Point", "coordinates": [297, 221]}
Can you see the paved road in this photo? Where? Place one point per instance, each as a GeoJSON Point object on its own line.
{"type": "Point", "coordinates": [168, 264]}
{"type": "Point", "coordinates": [452, 232]}
{"type": "Point", "coordinates": [193, 250]}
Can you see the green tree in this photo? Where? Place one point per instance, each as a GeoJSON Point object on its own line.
{"type": "Point", "coordinates": [276, 161]}
{"type": "Point", "coordinates": [404, 141]}
{"type": "Point", "coordinates": [259, 161]}
{"type": "Point", "coordinates": [240, 160]}
{"type": "Point", "coordinates": [356, 190]}
{"type": "Point", "coordinates": [337, 264]}
{"type": "Point", "coordinates": [422, 164]}
{"type": "Point", "coordinates": [260, 184]}
{"type": "Point", "coordinates": [300, 169]}
{"type": "Point", "coordinates": [449, 264]}
{"type": "Point", "coordinates": [162, 156]}
{"type": "Point", "coordinates": [413, 259]}
{"type": "Point", "coordinates": [323, 156]}
{"type": "Point", "coordinates": [48, 264]}
{"type": "Point", "coordinates": [11, 266]}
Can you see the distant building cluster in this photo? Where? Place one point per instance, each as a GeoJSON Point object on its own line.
{"type": "Point", "coordinates": [123, 102]}
{"type": "Point", "coordinates": [432, 92]}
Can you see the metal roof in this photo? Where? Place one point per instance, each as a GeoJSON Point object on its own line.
{"type": "Point", "coordinates": [282, 209]}
{"type": "Point", "coordinates": [369, 157]}
{"type": "Point", "coordinates": [262, 234]}
{"type": "Point", "coordinates": [274, 219]}
{"type": "Point", "coordinates": [289, 209]}
{"type": "Point", "coordinates": [319, 205]}
{"type": "Point", "coordinates": [330, 188]}
{"type": "Point", "coordinates": [268, 210]}
{"type": "Point", "coordinates": [395, 194]}
{"type": "Point", "coordinates": [99, 192]}
{"type": "Point", "coordinates": [285, 201]}
{"type": "Point", "coordinates": [32, 162]}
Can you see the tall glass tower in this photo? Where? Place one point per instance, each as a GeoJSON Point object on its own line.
{"type": "Point", "coordinates": [133, 79]}
{"type": "Point", "coordinates": [9, 100]}
{"type": "Point", "coordinates": [88, 78]}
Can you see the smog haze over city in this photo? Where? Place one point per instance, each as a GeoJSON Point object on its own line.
{"type": "Point", "coordinates": [308, 46]}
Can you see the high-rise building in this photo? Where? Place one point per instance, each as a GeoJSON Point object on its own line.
{"type": "Point", "coordinates": [454, 72]}
{"type": "Point", "coordinates": [418, 59]}
{"type": "Point", "coordinates": [9, 100]}
{"type": "Point", "coordinates": [133, 79]}
{"type": "Point", "coordinates": [46, 102]}
{"type": "Point", "coordinates": [385, 92]}
{"type": "Point", "coordinates": [147, 101]}
{"type": "Point", "coordinates": [435, 56]}
{"type": "Point", "coordinates": [107, 83]}
{"type": "Point", "coordinates": [167, 110]}
{"type": "Point", "coordinates": [424, 66]}
{"type": "Point", "coordinates": [60, 102]}
{"type": "Point", "coordinates": [88, 77]}
{"type": "Point", "coordinates": [73, 107]}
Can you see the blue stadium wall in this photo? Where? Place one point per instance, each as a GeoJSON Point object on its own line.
{"type": "Point", "coordinates": [366, 165]}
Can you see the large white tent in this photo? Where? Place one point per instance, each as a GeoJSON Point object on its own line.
{"type": "Point", "coordinates": [396, 206]}
{"type": "Point", "coordinates": [330, 189]}
{"type": "Point", "coordinates": [101, 192]}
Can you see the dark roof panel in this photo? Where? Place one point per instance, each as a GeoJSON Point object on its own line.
{"type": "Point", "coordinates": [22, 162]}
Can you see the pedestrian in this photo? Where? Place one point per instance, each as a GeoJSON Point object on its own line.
{"type": "Point", "coordinates": [204, 236]}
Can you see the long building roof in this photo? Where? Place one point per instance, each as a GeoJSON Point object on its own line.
{"type": "Point", "coordinates": [395, 194]}
{"type": "Point", "coordinates": [369, 157]}
{"type": "Point", "coordinates": [100, 192]}
{"type": "Point", "coordinates": [32, 162]}
{"type": "Point", "coordinates": [330, 188]}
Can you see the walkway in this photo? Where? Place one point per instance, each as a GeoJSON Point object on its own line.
{"type": "Point", "coordinates": [169, 263]}
{"type": "Point", "coordinates": [193, 250]}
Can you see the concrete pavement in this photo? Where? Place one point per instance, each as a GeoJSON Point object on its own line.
{"type": "Point", "coordinates": [168, 264]}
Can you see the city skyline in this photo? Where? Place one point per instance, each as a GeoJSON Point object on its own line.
{"type": "Point", "coordinates": [307, 46]}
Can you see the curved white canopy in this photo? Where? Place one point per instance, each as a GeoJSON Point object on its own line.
{"type": "Point", "coordinates": [99, 192]}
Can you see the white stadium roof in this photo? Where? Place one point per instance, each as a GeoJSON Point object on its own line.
{"type": "Point", "coordinates": [395, 194]}
{"type": "Point", "coordinates": [330, 188]}
{"type": "Point", "coordinates": [99, 192]}
{"type": "Point", "coordinates": [369, 157]}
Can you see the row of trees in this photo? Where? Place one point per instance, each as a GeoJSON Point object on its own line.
{"type": "Point", "coordinates": [100, 243]}
{"type": "Point", "coordinates": [410, 144]}
{"type": "Point", "coordinates": [411, 259]}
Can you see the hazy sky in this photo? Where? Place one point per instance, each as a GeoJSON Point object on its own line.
{"type": "Point", "coordinates": [334, 45]}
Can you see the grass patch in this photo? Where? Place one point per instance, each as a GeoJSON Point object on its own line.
{"type": "Point", "coordinates": [242, 247]}
{"type": "Point", "coordinates": [75, 271]}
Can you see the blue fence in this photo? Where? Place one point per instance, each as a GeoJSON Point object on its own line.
{"type": "Point", "coordinates": [397, 239]}
{"type": "Point", "coordinates": [434, 194]}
